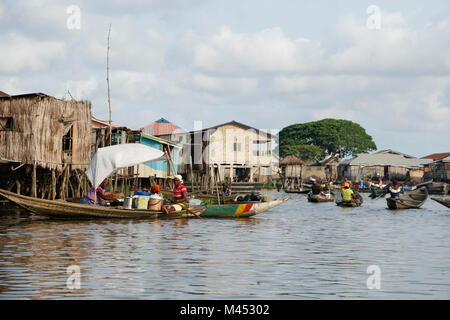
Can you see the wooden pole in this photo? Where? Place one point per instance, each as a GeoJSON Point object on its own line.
{"type": "Point", "coordinates": [53, 189]}
{"type": "Point", "coordinates": [33, 181]}
{"type": "Point", "coordinates": [17, 186]}
{"type": "Point", "coordinates": [109, 93]}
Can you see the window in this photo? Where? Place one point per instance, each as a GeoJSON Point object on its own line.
{"type": "Point", "coordinates": [261, 148]}
{"type": "Point", "coordinates": [236, 146]}
{"type": "Point", "coordinates": [67, 141]}
{"type": "Point", "coordinates": [6, 123]}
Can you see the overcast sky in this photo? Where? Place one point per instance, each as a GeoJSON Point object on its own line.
{"type": "Point", "coordinates": [265, 63]}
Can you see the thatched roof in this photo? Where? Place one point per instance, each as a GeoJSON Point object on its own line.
{"type": "Point", "coordinates": [291, 160]}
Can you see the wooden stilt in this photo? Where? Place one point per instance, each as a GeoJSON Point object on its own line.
{"type": "Point", "coordinates": [33, 181]}
{"type": "Point", "coordinates": [52, 194]}
{"type": "Point", "coordinates": [18, 186]}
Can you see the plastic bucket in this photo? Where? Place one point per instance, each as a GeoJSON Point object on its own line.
{"type": "Point", "coordinates": [127, 202]}
{"type": "Point", "coordinates": [142, 202]}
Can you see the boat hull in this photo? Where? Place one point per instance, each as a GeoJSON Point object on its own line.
{"type": "Point", "coordinates": [239, 210]}
{"type": "Point", "coordinates": [350, 204]}
{"type": "Point", "coordinates": [298, 191]}
{"type": "Point", "coordinates": [444, 202]}
{"type": "Point", "coordinates": [409, 200]}
{"type": "Point", "coordinates": [68, 210]}
{"type": "Point", "coordinates": [320, 198]}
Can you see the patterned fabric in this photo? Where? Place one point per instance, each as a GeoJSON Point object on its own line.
{"type": "Point", "coordinates": [178, 192]}
{"type": "Point", "coordinates": [91, 195]}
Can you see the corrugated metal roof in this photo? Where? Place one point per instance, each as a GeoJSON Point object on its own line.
{"type": "Point", "coordinates": [98, 123]}
{"type": "Point", "coordinates": [235, 123]}
{"type": "Point", "coordinates": [437, 156]}
{"type": "Point", "coordinates": [27, 95]}
{"type": "Point", "coordinates": [162, 127]}
{"type": "Point", "coordinates": [385, 159]}
{"type": "Point", "coordinates": [390, 151]}
{"type": "Point", "coordinates": [160, 140]}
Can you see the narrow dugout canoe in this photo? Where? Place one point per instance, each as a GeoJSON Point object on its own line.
{"type": "Point", "coordinates": [302, 191]}
{"type": "Point", "coordinates": [67, 210]}
{"type": "Point", "coordinates": [239, 210]}
{"type": "Point", "coordinates": [350, 204]}
{"type": "Point", "coordinates": [320, 198]}
{"type": "Point", "coordinates": [408, 200]}
{"type": "Point", "coordinates": [444, 202]}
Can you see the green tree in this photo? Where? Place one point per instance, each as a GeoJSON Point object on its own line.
{"type": "Point", "coordinates": [334, 137]}
{"type": "Point", "coordinates": [303, 151]}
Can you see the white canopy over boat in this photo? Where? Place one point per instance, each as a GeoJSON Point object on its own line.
{"type": "Point", "coordinates": [108, 160]}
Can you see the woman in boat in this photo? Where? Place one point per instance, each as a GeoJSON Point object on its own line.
{"type": "Point", "coordinates": [155, 200]}
{"type": "Point", "coordinates": [99, 196]}
{"type": "Point", "coordinates": [180, 193]}
{"type": "Point", "coordinates": [395, 190]}
{"type": "Point", "coordinates": [348, 195]}
{"type": "Point", "coordinates": [179, 197]}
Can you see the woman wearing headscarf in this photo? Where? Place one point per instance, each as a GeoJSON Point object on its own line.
{"type": "Point", "coordinates": [180, 193]}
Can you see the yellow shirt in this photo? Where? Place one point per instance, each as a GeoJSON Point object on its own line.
{"type": "Point", "coordinates": [347, 194]}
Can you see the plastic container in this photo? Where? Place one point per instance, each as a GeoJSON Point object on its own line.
{"type": "Point", "coordinates": [127, 202]}
{"type": "Point", "coordinates": [195, 202]}
{"type": "Point", "coordinates": [141, 193]}
{"type": "Point", "coordinates": [142, 202]}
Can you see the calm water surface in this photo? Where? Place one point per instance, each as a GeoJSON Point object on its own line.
{"type": "Point", "coordinates": [298, 250]}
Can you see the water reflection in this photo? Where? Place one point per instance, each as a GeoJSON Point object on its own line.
{"type": "Point", "coordinates": [298, 250]}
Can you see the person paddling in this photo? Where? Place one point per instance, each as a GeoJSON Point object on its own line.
{"type": "Point", "coordinates": [395, 190]}
{"type": "Point", "coordinates": [348, 195]}
{"type": "Point", "coordinates": [180, 193]}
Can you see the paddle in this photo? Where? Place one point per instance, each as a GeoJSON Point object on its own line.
{"type": "Point", "coordinates": [185, 207]}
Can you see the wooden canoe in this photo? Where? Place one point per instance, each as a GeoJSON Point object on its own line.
{"type": "Point", "coordinates": [301, 191]}
{"type": "Point", "coordinates": [239, 210]}
{"type": "Point", "coordinates": [69, 210]}
{"type": "Point", "coordinates": [350, 204]}
{"type": "Point", "coordinates": [408, 200]}
{"type": "Point", "coordinates": [444, 202]}
{"type": "Point", "coordinates": [320, 198]}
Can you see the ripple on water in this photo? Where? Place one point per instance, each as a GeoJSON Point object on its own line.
{"type": "Point", "coordinates": [298, 250]}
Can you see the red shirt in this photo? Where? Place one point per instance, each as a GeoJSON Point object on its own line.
{"type": "Point", "coordinates": [178, 192]}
